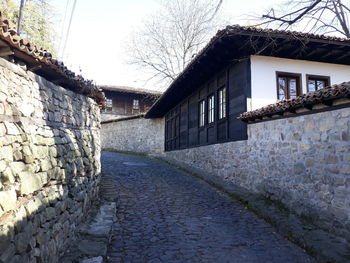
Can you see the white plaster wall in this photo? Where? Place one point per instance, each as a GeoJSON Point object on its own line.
{"type": "Point", "coordinates": [263, 76]}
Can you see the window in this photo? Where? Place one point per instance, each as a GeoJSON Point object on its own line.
{"type": "Point", "coordinates": [201, 113]}
{"type": "Point", "coordinates": [316, 82]}
{"type": "Point", "coordinates": [109, 103]}
{"type": "Point", "coordinates": [288, 85]}
{"type": "Point", "coordinates": [211, 107]}
{"type": "Point", "coordinates": [172, 130]}
{"type": "Point", "coordinates": [136, 105]}
{"type": "Point", "coordinates": [222, 102]}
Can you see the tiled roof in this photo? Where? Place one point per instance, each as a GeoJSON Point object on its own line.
{"type": "Point", "coordinates": [44, 64]}
{"type": "Point", "coordinates": [323, 96]}
{"type": "Point", "coordinates": [127, 89]}
{"type": "Point", "coordinates": [254, 31]}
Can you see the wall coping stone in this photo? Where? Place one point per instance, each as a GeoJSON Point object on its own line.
{"type": "Point", "coordinates": [124, 119]}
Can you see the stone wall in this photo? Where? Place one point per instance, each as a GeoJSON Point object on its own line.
{"type": "Point", "coordinates": [134, 134]}
{"type": "Point", "coordinates": [302, 161]}
{"type": "Point", "coordinates": [49, 164]}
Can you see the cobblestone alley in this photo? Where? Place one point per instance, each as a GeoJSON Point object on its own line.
{"type": "Point", "coordinates": [166, 215]}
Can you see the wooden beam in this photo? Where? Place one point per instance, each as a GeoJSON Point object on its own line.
{"type": "Point", "coordinates": [331, 53]}
{"type": "Point", "coordinates": [34, 67]}
{"type": "Point", "coordinates": [6, 51]}
{"type": "Point", "coordinates": [57, 81]}
{"type": "Point", "coordinates": [328, 102]}
{"type": "Point", "coordinates": [346, 54]}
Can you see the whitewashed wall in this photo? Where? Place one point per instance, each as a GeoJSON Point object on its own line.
{"type": "Point", "coordinates": [263, 76]}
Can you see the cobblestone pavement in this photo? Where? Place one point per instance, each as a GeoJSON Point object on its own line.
{"type": "Point", "coordinates": [166, 215]}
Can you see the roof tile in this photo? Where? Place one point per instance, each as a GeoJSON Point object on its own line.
{"type": "Point", "coordinates": [324, 95]}
{"type": "Point", "coordinates": [9, 35]}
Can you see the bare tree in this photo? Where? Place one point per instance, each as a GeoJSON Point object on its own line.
{"type": "Point", "coordinates": [171, 38]}
{"type": "Point", "coordinates": [316, 16]}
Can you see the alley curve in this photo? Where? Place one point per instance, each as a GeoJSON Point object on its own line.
{"type": "Point", "coordinates": [166, 215]}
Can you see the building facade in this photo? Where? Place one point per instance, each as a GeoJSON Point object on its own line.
{"type": "Point", "coordinates": [242, 69]}
{"type": "Point", "coordinates": [126, 101]}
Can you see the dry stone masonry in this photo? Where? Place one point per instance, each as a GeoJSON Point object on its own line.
{"type": "Point", "coordinates": [49, 164]}
{"type": "Point", "coordinates": [302, 161]}
{"type": "Point", "coordinates": [134, 135]}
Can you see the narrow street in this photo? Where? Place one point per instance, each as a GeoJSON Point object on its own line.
{"type": "Point", "coordinates": [166, 215]}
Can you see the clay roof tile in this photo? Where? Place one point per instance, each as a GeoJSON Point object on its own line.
{"type": "Point", "coordinates": [9, 35]}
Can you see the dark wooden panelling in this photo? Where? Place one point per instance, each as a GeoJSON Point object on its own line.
{"type": "Point", "coordinates": [211, 134]}
{"type": "Point", "coordinates": [222, 131]}
{"type": "Point", "coordinates": [183, 139]}
{"type": "Point", "coordinates": [203, 92]}
{"type": "Point", "coordinates": [183, 125]}
{"type": "Point", "coordinates": [193, 112]}
{"type": "Point", "coordinates": [222, 79]}
{"type": "Point", "coordinates": [236, 78]}
{"type": "Point", "coordinates": [212, 85]}
{"type": "Point", "coordinates": [193, 137]}
{"type": "Point", "coordinates": [183, 117]}
{"type": "Point", "coordinates": [202, 136]}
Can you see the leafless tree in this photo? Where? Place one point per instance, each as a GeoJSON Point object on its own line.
{"type": "Point", "coordinates": [316, 16]}
{"type": "Point", "coordinates": [170, 38]}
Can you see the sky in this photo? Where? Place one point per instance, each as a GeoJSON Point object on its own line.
{"type": "Point", "coordinates": [100, 31]}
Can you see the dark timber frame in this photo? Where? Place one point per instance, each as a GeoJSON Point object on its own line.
{"type": "Point", "coordinates": [183, 128]}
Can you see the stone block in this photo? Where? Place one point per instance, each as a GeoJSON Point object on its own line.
{"type": "Point", "coordinates": [93, 260]}
{"type": "Point", "coordinates": [50, 213]}
{"type": "Point", "coordinates": [8, 254]}
{"type": "Point", "coordinates": [17, 167]}
{"type": "Point", "coordinates": [22, 240]}
{"type": "Point", "coordinates": [12, 128]}
{"type": "Point", "coordinates": [8, 200]}
{"type": "Point", "coordinates": [45, 165]}
{"type": "Point", "coordinates": [299, 168]}
{"type": "Point", "coordinates": [7, 234]}
{"type": "Point", "coordinates": [3, 165]}
{"type": "Point", "coordinates": [2, 128]}
{"type": "Point", "coordinates": [345, 169]}
{"type": "Point", "coordinates": [7, 176]}
{"type": "Point", "coordinates": [92, 248]}
{"type": "Point", "coordinates": [29, 182]}
{"type": "Point", "coordinates": [41, 152]}
{"type": "Point", "coordinates": [20, 219]}
{"type": "Point", "coordinates": [26, 109]}
{"type": "Point", "coordinates": [6, 153]}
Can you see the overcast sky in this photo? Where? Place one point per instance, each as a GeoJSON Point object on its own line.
{"type": "Point", "coordinates": [100, 29]}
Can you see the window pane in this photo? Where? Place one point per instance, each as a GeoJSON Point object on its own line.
{"type": "Point", "coordinates": [311, 85]}
{"type": "Point", "coordinates": [321, 84]}
{"type": "Point", "coordinates": [211, 105]}
{"type": "Point", "coordinates": [135, 105]}
{"type": "Point", "coordinates": [281, 88]}
{"type": "Point", "coordinates": [201, 113]}
{"type": "Point", "coordinates": [222, 103]}
{"type": "Point", "coordinates": [108, 103]}
{"type": "Point", "coordinates": [292, 88]}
